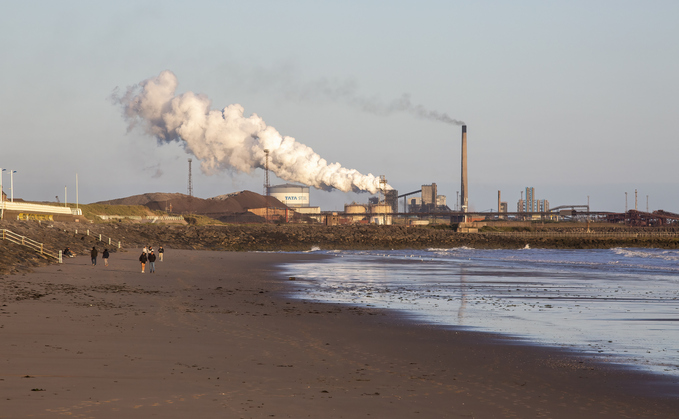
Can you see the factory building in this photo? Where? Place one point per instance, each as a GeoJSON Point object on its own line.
{"type": "Point", "coordinates": [532, 205]}
{"type": "Point", "coordinates": [429, 201]}
{"type": "Point", "coordinates": [429, 194]}
{"type": "Point", "coordinates": [391, 199]}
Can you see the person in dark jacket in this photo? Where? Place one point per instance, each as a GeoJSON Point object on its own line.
{"type": "Point", "coordinates": [152, 262]}
{"type": "Point", "coordinates": [161, 251]}
{"type": "Point", "coordinates": [143, 259]}
{"type": "Point", "coordinates": [105, 257]}
{"type": "Point", "coordinates": [94, 254]}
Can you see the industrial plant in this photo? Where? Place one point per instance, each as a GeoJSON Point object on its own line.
{"type": "Point", "coordinates": [426, 206]}
{"type": "Point", "coordinates": [291, 203]}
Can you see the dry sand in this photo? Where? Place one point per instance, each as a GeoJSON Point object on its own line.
{"type": "Point", "coordinates": [211, 334]}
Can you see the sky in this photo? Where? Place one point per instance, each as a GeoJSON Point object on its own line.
{"type": "Point", "coordinates": [577, 99]}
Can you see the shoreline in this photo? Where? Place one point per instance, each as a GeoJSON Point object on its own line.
{"type": "Point", "coordinates": [57, 235]}
{"type": "Point", "coordinates": [214, 333]}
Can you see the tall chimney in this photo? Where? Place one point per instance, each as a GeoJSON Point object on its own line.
{"type": "Point", "coordinates": [463, 189]}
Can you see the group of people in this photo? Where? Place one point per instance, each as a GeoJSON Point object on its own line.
{"type": "Point", "coordinates": [94, 253]}
{"type": "Point", "coordinates": [149, 256]}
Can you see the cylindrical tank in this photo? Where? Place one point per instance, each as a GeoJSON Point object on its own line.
{"type": "Point", "coordinates": [291, 195]}
{"type": "Point", "coordinates": [381, 214]}
{"type": "Point", "coordinates": [357, 212]}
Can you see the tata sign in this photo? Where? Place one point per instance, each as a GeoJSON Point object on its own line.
{"type": "Point", "coordinates": [296, 198]}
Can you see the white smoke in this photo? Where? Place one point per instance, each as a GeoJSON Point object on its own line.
{"type": "Point", "coordinates": [227, 139]}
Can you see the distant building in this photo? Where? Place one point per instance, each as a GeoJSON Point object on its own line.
{"type": "Point", "coordinates": [530, 199]}
{"type": "Point", "coordinates": [521, 206]}
{"type": "Point", "coordinates": [429, 201]}
{"type": "Point", "coordinates": [429, 194]}
{"type": "Point", "coordinates": [530, 204]}
{"type": "Point", "coordinates": [391, 199]}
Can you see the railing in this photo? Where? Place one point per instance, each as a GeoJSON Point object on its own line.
{"type": "Point", "coordinates": [101, 238]}
{"type": "Point", "coordinates": [152, 218]}
{"type": "Point", "coordinates": [584, 234]}
{"type": "Point", "coordinates": [11, 236]}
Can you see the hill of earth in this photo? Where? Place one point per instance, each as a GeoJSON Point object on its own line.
{"type": "Point", "coordinates": [233, 207]}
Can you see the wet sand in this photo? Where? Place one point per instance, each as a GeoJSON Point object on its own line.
{"type": "Point", "coordinates": [211, 334]}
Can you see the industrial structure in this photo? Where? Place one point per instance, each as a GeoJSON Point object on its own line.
{"type": "Point", "coordinates": [294, 196]}
{"type": "Point", "coordinates": [464, 187]}
{"type": "Point", "coordinates": [531, 204]}
{"type": "Point", "coordinates": [189, 187]}
{"type": "Point", "coordinates": [297, 198]}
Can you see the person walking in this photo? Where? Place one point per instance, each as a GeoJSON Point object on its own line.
{"type": "Point", "coordinates": [160, 253]}
{"type": "Point", "coordinates": [152, 262]}
{"type": "Point", "coordinates": [143, 259]}
{"type": "Point", "coordinates": [94, 254]}
{"type": "Point", "coordinates": [105, 257]}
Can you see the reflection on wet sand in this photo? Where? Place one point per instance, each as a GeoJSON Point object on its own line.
{"type": "Point", "coordinates": [619, 303]}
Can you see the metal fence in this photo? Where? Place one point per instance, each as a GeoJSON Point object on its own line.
{"type": "Point", "coordinates": [11, 236]}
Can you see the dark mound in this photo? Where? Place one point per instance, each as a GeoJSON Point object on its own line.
{"type": "Point", "coordinates": [231, 206]}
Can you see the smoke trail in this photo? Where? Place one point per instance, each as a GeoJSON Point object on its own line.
{"type": "Point", "coordinates": [227, 139]}
{"type": "Point", "coordinates": [286, 80]}
{"type": "Point", "coordinates": [346, 91]}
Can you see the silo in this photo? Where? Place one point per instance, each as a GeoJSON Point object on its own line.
{"type": "Point", "coordinates": [294, 196]}
{"type": "Point", "coordinates": [381, 214]}
{"type": "Point", "coordinates": [356, 212]}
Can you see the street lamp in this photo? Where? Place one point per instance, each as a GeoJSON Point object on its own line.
{"type": "Point", "coordinates": [1, 190]}
{"type": "Point", "coordinates": [11, 183]}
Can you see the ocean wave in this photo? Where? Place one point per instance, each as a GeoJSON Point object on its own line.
{"type": "Point", "coordinates": [647, 254]}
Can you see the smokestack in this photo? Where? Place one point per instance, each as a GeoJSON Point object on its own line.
{"type": "Point", "coordinates": [463, 189]}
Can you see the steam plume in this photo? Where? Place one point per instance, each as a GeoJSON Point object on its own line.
{"type": "Point", "coordinates": [227, 139]}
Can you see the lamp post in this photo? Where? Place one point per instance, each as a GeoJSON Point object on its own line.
{"type": "Point", "coordinates": [1, 190]}
{"type": "Point", "coordinates": [11, 184]}
{"type": "Point", "coordinates": [2, 201]}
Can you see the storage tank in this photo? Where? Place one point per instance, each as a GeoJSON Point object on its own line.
{"type": "Point", "coordinates": [381, 214]}
{"type": "Point", "coordinates": [356, 212]}
{"type": "Point", "coordinates": [291, 195]}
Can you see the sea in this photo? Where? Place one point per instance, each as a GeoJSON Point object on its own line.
{"type": "Point", "coordinates": [621, 304]}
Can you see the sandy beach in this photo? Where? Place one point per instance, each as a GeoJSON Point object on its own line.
{"type": "Point", "coordinates": [211, 334]}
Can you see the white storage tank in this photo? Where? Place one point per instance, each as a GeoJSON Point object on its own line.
{"type": "Point", "coordinates": [291, 195]}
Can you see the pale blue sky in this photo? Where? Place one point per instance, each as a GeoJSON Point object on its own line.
{"type": "Point", "coordinates": [574, 98]}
